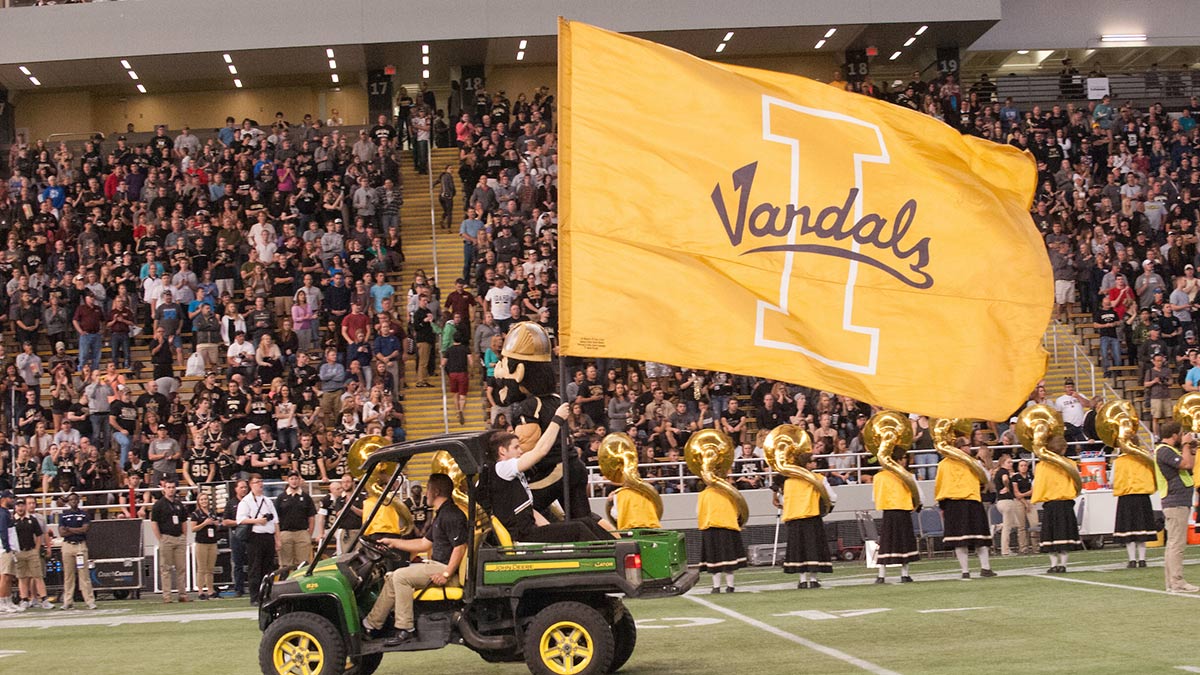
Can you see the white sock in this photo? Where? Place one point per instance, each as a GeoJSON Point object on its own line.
{"type": "Point", "coordinates": [985, 557]}
{"type": "Point", "coordinates": [1131, 550]}
{"type": "Point", "coordinates": [904, 570]}
{"type": "Point", "coordinates": [1054, 560]}
{"type": "Point", "coordinates": [729, 579]}
{"type": "Point", "coordinates": [882, 572]}
{"type": "Point", "coordinates": [960, 552]}
{"type": "Point", "coordinates": [1063, 557]}
{"type": "Point", "coordinates": [1141, 550]}
{"type": "Point", "coordinates": [717, 579]}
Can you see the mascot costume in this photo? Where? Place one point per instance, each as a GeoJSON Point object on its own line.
{"type": "Point", "coordinates": [525, 381]}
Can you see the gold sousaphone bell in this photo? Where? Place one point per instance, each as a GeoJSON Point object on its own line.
{"type": "Point", "coordinates": [443, 462]}
{"type": "Point", "coordinates": [709, 455]}
{"type": "Point", "coordinates": [1036, 425]}
{"type": "Point", "coordinates": [887, 436]}
{"type": "Point", "coordinates": [619, 465]}
{"type": "Point", "coordinates": [356, 459]}
{"type": "Point", "coordinates": [1117, 425]}
{"type": "Point", "coordinates": [784, 446]}
{"type": "Point", "coordinates": [945, 431]}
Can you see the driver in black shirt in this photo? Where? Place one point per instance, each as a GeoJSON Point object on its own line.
{"type": "Point", "coordinates": [447, 536]}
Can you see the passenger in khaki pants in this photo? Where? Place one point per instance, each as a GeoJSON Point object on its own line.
{"type": "Point", "coordinates": [296, 515]}
{"type": "Point", "coordinates": [204, 548]}
{"type": "Point", "coordinates": [168, 519]}
{"type": "Point", "coordinates": [73, 525]}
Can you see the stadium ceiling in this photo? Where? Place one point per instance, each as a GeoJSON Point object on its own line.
{"type": "Point", "coordinates": [308, 66]}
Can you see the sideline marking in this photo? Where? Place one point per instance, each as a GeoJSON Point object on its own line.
{"type": "Point", "coordinates": [791, 637]}
{"type": "Point", "coordinates": [951, 609]}
{"type": "Point", "coordinates": [14, 652]}
{"type": "Point", "coordinates": [1188, 669]}
{"type": "Point", "coordinates": [678, 622]}
{"type": "Point", "coordinates": [1193, 596]}
{"type": "Point", "coordinates": [69, 622]}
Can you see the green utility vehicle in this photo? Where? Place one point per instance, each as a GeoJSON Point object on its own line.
{"type": "Point", "coordinates": [557, 607]}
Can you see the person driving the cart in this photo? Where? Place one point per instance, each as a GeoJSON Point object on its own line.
{"type": "Point", "coordinates": [504, 491]}
{"type": "Point", "coordinates": [447, 536]}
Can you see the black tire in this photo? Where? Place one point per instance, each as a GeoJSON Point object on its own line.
{"type": "Point", "coordinates": [624, 637]}
{"type": "Point", "coordinates": [120, 595]}
{"type": "Point", "coordinates": [567, 628]}
{"type": "Point", "coordinates": [367, 663]}
{"type": "Point", "coordinates": [319, 639]}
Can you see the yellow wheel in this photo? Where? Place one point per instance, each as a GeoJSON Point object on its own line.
{"type": "Point", "coordinates": [566, 648]}
{"type": "Point", "coordinates": [568, 638]}
{"type": "Point", "coordinates": [298, 653]}
{"type": "Point", "coordinates": [301, 643]}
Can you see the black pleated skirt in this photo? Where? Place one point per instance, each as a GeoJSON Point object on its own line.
{"type": "Point", "coordinates": [807, 550]}
{"type": "Point", "coordinates": [897, 540]}
{"type": "Point", "coordinates": [1135, 519]}
{"type": "Point", "coordinates": [721, 550]}
{"type": "Point", "coordinates": [1060, 529]}
{"type": "Point", "coordinates": [966, 523]}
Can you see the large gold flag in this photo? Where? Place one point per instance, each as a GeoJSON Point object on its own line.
{"type": "Point", "coordinates": [728, 218]}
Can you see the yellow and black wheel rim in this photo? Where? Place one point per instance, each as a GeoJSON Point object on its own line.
{"type": "Point", "coordinates": [566, 648]}
{"type": "Point", "coordinates": [298, 653]}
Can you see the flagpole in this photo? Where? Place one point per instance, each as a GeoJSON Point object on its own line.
{"type": "Point", "coordinates": [563, 441]}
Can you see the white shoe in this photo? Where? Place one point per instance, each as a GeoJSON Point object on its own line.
{"type": "Point", "coordinates": [1185, 588]}
{"type": "Point", "coordinates": [7, 607]}
{"type": "Point", "coordinates": [46, 604]}
{"type": "Point", "coordinates": [91, 605]}
{"type": "Point", "coordinates": [23, 606]}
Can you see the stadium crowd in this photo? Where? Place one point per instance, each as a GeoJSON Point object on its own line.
{"type": "Point", "coordinates": [260, 267]}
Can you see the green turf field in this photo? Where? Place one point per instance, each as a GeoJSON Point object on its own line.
{"type": "Point", "coordinates": [1100, 618]}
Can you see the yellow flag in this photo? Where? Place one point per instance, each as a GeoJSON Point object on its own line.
{"type": "Point", "coordinates": [721, 217]}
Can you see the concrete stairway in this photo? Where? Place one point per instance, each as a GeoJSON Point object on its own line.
{"type": "Point", "coordinates": [423, 407]}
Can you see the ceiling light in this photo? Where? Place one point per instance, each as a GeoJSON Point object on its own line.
{"type": "Point", "coordinates": [820, 43]}
{"type": "Point", "coordinates": [232, 69]}
{"type": "Point", "coordinates": [424, 74]}
{"type": "Point", "coordinates": [520, 56]}
{"type": "Point", "coordinates": [909, 41]}
{"type": "Point", "coordinates": [228, 58]}
{"type": "Point", "coordinates": [142, 88]}
{"type": "Point", "coordinates": [829, 33]}
{"type": "Point", "coordinates": [38, 82]}
{"type": "Point", "coordinates": [335, 78]}
{"type": "Point", "coordinates": [894, 56]}
{"type": "Point", "coordinates": [728, 36]}
{"type": "Point", "coordinates": [329, 53]}
{"type": "Point", "coordinates": [424, 49]}
{"type": "Point", "coordinates": [332, 64]}
{"type": "Point", "coordinates": [523, 44]}
{"type": "Point", "coordinates": [237, 83]}
{"type": "Point", "coordinates": [1022, 52]}
{"type": "Point", "coordinates": [424, 60]}
{"type": "Point", "coordinates": [25, 71]}
{"type": "Point", "coordinates": [922, 29]}
{"type": "Point", "coordinates": [720, 47]}
{"type": "Point", "coordinates": [1124, 37]}
{"type": "Point", "coordinates": [125, 64]}
{"type": "Point", "coordinates": [133, 75]}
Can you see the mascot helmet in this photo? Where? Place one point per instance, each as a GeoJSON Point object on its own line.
{"type": "Point", "coordinates": [527, 341]}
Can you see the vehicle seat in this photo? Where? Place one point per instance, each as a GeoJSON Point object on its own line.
{"type": "Point", "coordinates": [503, 538]}
{"type": "Point", "coordinates": [438, 593]}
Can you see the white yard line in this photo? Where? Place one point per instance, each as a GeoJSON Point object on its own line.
{"type": "Point", "coordinates": [791, 637]}
{"type": "Point", "coordinates": [951, 609]}
{"type": "Point", "coordinates": [1193, 596]}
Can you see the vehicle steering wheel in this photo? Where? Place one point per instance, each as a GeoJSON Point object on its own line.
{"type": "Point", "coordinates": [379, 549]}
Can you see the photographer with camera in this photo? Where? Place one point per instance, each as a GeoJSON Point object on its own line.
{"type": "Point", "coordinates": [263, 541]}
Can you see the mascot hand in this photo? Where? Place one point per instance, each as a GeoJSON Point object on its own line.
{"type": "Point", "coordinates": [563, 410]}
